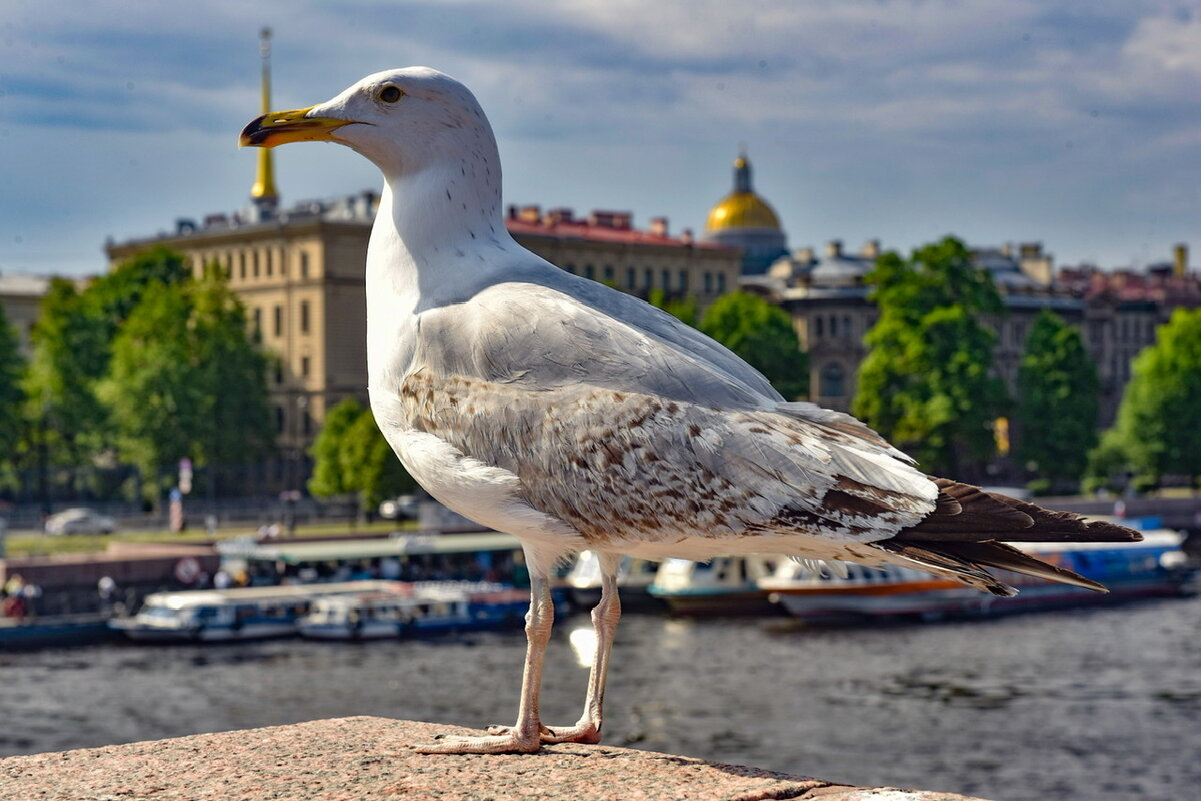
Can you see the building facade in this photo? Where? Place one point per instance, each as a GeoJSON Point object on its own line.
{"type": "Point", "coordinates": [300, 275]}
{"type": "Point", "coordinates": [21, 298]}
{"type": "Point", "coordinates": [1117, 312]}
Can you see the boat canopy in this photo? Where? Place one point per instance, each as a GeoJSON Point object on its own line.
{"type": "Point", "coordinates": [296, 553]}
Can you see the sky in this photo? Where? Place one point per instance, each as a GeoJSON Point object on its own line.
{"type": "Point", "coordinates": [1077, 124]}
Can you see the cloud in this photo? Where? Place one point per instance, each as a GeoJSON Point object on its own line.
{"type": "Point", "coordinates": [843, 102]}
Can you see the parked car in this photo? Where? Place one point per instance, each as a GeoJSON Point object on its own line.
{"type": "Point", "coordinates": [80, 521]}
{"type": "Point", "coordinates": [402, 507]}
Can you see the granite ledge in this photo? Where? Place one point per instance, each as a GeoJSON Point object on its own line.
{"type": "Point", "coordinates": [367, 758]}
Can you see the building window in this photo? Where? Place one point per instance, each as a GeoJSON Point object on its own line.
{"type": "Point", "coordinates": [833, 326]}
{"type": "Point", "coordinates": [569, 267]}
{"type": "Point", "coordinates": [648, 278]}
{"type": "Point", "coordinates": [683, 280]}
{"type": "Point", "coordinates": [254, 264]}
{"type": "Point", "coordinates": [708, 283]}
{"type": "Point", "coordinates": [589, 272]}
{"type": "Point", "coordinates": [283, 262]}
{"type": "Point", "coordinates": [665, 276]}
{"type": "Point", "coordinates": [279, 419]}
{"type": "Point", "coordinates": [258, 324]}
{"type": "Point", "coordinates": [242, 265]}
{"type": "Point", "coordinates": [304, 316]}
{"type": "Point", "coordinates": [267, 258]}
{"type": "Point", "coordinates": [608, 273]}
{"type": "Point", "coordinates": [279, 321]}
{"type": "Point", "coordinates": [832, 381]}
{"type": "Point", "coordinates": [818, 327]}
{"type": "Point", "coordinates": [304, 264]}
{"type": "Point", "coordinates": [721, 283]}
{"type": "Point", "coordinates": [846, 326]}
{"type": "Point", "coordinates": [630, 279]}
{"type": "Point", "coordinates": [306, 422]}
{"type": "Point", "coordinates": [279, 371]}
{"type": "Point", "coordinates": [304, 366]}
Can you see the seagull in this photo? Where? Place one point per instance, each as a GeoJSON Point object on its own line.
{"type": "Point", "coordinates": [575, 417]}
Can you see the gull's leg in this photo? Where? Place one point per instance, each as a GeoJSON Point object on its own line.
{"type": "Point", "coordinates": [604, 621]}
{"type": "Point", "coordinates": [526, 734]}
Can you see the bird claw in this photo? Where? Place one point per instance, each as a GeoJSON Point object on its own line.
{"type": "Point", "coordinates": [508, 743]}
{"type": "Point", "coordinates": [580, 733]}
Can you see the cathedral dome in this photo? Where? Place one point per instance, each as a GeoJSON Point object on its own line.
{"type": "Point", "coordinates": [745, 221]}
{"type": "Point", "coordinates": [742, 208]}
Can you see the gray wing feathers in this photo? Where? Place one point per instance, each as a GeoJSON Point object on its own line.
{"type": "Point", "coordinates": [614, 402]}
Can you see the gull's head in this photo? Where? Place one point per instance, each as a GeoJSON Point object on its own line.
{"type": "Point", "coordinates": [403, 120]}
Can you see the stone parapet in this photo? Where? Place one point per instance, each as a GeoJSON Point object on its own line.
{"type": "Point", "coordinates": [367, 758]}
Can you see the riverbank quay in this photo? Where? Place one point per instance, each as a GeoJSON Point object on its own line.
{"type": "Point", "coordinates": [367, 758]}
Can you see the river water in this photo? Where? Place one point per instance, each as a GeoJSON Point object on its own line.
{"type": "Point", "coordinates": [1101, 704]}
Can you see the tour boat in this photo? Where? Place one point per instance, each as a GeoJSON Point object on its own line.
{"type": "Point", "coordinates": [242, 613]}
{"type": "Point", "coordinates": [725, 585]}
{"type": "Point", "coordinates": [423, 608]}
{"type": "Point", "coordinates": [1156, 566]}
{"type": "Point", "coordinates": [634, 577]}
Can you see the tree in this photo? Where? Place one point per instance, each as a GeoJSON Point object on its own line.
{"type": "Point", "coordinates": [927, 383]}
{"type": "Point", "coordinates": [379, 473]}
{"type": "Point", "coordinates": [70, 354]}
{"type": "Point", "coordinates": [332, 476]}
{"type": "Point", "coordinates": [185, 380]}
{"type": "Point", "coordinates": [763, 335]}
{"type": "Point", "coordinates": [73, 344]}
{"type": "Point", "coordinates": [1057, 400]}
{"type": "Point", "coordinates": [12, 396]}
{"type": "Point", "coordinates": [351, 456]}
{"type": "Point", "coordinates": [1158, 426]}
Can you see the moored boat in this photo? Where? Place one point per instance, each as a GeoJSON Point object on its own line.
{"type": "Point", "coordinates": [54, 630]}
{"type": "Point", "coordinates": [1156, 566]}
{"type": "Point", "coordinates": [725, 585]}
{"type": "Point", "coordinates": [421, 608]}
{"type": "Point", "coordinates": [233, 614]}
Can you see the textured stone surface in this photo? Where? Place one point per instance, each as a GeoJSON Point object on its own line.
{"type": "Point", "coordinates": [354, 759]}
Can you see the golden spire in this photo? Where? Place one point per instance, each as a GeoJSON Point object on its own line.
{"type": "Point", "coordinates": [263, 192]}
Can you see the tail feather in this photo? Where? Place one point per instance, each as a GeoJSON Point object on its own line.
{"type": "Point", "coordinates": [942, 563]}
{"type": "Point", "coordinates": [963, 533]}
{"type": "Point", "coordinates": [964, 513]}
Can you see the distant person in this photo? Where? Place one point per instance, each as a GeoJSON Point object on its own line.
{"type": "Point", "coordinates": [106, 588]}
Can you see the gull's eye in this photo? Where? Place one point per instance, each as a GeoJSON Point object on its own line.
{"type": "Point", "coordinates": [390, 94]}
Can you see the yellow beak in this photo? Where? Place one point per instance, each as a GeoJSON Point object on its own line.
{"type": "Point", "coordinates": [281, 127]}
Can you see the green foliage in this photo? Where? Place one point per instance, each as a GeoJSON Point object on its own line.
{"type": "Point", "coordinates": [332, 475]}
{"type": "Point", "coordinates": [1057, 401]}
{"type": "Point", "coordinates": [12, 395]}
{"type": "Point", "coordinates": [927, 381]}
{"type": "Point", "coordinates": [351, 456]}
{"type": "Point", "coordinates": [70, 354]}
{"type": "Point", "coordinates": [1158, 428]}
{"type": "Point", "coordinates": [72, 346]}
{"type": "Point", "coordinates": [185, 380]}
{"type": "Point", "coordinates": [763, 335]}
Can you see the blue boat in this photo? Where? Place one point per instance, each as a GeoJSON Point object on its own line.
{"type": "Point", "coordinates": [244, 613]}
{"type": "Point", "coordinates": [1154, 567]}
{"type": "Point", "coordinates": [418, 609]}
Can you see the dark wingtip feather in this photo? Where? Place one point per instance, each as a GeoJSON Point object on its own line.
{"type": "Point", "coordinates": [964, 513]}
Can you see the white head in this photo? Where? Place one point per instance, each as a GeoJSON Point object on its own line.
{"type": "Point", "coordinates": [404, 120]}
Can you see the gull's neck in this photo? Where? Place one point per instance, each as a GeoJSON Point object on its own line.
{"type": "Point", "coordinates": [438, 238]}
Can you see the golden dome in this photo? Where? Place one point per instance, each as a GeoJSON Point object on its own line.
{"type": "Point", "coordinates": [742, 210]}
